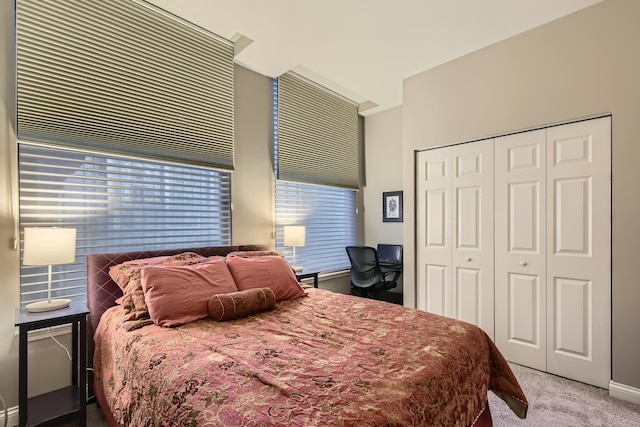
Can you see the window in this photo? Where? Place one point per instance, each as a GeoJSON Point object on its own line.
{"type": "Point", "coordinates": [329, 215]}
{"type": "Point", "coordinates": [316, 161]}
{"type": "Point", "coordinates": [121, 77]}
{"type": "Point", "coordinates": [116, 204]}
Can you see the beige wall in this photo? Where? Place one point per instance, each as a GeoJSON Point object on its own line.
{"type": "Point", "coordinates": [383, 165]}
{"type": "Point", "coordinates": [9, 296]}
{"type": "Point", "coordinates": [253, 179]}
{"type": "Point", "coordinates": [581, 65]}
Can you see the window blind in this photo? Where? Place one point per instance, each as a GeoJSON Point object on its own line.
{"type": "Point", "coordinates": [317, 134]}
{"type": "Point", "coordinates": [329, 215]}
{"type": "Point", "coordinates": [116, 204]}
{"type": "Point", "coordinates": [124, 76]}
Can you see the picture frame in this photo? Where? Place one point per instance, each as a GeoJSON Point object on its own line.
{"type": "Point", "coordinates": [392, 206]}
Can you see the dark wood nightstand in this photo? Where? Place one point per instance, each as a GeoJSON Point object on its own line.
{"type": "Point", "coordinates": [67, 402]}
{"type": "Point", "coordinates": [313, 275]}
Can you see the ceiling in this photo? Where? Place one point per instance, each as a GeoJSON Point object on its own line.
{"type": "Point", "coordinates": [363, 49]}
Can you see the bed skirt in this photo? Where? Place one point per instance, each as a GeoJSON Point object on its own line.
{"type": "Point", "coordinates": [102, 403]}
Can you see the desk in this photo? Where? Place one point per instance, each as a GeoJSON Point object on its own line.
{"type": "Point", "coordinates": [68, 401]}
{"type": "Point", "coordinates": [313, 275]}
{"type": "Point", "coordinates": [391, 265]}
{"type": "Point", "coordinates": [391, 268]}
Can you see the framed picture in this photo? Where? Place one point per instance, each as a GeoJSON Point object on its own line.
{"type": "Point", "coordinates": [392, 206]}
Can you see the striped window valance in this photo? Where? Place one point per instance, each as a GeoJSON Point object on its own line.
{"type": "Point", "coordinates": [126, 77]}
{"type": "Point", "coordinates": [317, 133]}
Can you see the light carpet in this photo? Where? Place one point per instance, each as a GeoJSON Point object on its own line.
{"type": "Point", "coordinates": [556, 401]}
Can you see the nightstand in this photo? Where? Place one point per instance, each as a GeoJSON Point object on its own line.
{"type": "Point", "coordinates": [313, 275]}
{"type": "Point", "coordinates": [67, 402]}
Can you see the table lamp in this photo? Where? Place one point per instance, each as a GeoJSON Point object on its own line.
{"type": "Point", "coordinates": [48, 246]}
{"type": "Point", "coordinates": [294, 235]}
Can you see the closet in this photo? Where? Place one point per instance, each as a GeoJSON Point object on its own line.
{"type": "Point", "coordinates": [541, 262]}
{"type": "Point", "coordinates": [455, 233]}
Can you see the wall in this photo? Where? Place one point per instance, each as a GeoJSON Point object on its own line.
{"type": "Point", "coordinates": [9, 297]}
{"type": "Point", "coordinates": [383, 163]}
{"type": "Point", "coordinates": [580, 65]}
{"type": "Point", "coordinates": [252, 183]}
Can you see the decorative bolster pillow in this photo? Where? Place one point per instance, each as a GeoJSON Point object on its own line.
{"type": "Point", "coordinates": [248, 254]}
{"type": "Point", "coordinates": [239, 304]}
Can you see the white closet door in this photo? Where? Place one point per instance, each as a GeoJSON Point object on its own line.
{"type": "Point", "coordinates": [579, 251]}
{"type": "Point", "coordinates": [455, 233]}
{"type": "Point", "coordinates": [472, 281]}
{"type": "Point", "coordinates": [434, 231]}
{"type": "Point", "coordinates": [520, 249]}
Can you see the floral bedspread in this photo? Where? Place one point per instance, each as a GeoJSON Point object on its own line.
{"type": "Point", "coordinates": [322, 360]}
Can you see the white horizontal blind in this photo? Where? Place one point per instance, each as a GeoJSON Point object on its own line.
{"type": "Point", "coordinates": [329, 215]}
{"type": "Point", "coordinates": [124, 76]}
{"type": "Point", "coordinates": [116, 204]}
{"type": "Point", "coordinates": [317, 134]}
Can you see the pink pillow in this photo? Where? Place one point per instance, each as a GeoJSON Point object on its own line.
{"type": "Point", "coordinates": [128, 276]}
{"type": "Point", "coordinates": [176, 295]}
{"type": "Point", "coordinates": [265, 271]}
{"type": "Point", "coordinates": [121, 273]}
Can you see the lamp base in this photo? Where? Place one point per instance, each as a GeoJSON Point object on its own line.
{"type": "Point", "coordinates": [42, 306]}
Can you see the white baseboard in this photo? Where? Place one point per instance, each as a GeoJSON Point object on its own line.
{"type": "Point", "coordinates": [12, 416]}
{"type": "Point", "coordinates": [624, 392]}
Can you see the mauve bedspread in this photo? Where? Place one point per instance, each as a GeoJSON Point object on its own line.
{"type": "Point", "coordinates": [321, 360]}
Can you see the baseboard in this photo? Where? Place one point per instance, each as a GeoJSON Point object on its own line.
{"type": "Point", "coordinates": [12, 416]}
{"type": "Point", "coordinates": [624, 392]}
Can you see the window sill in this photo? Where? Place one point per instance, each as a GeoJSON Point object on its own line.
{"type": "Point", "coordinates": [333, 275]}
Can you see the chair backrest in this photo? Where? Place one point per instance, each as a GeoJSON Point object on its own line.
{"type": "Point", "coordinates": [365, 268]}
{"type": "Point", "coordinates": [389, 253]}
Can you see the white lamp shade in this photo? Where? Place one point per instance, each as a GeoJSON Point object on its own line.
{"type": "Point", "coordinates": [294, 235]}
{"type": "Point", "coordinates": [47, 246]}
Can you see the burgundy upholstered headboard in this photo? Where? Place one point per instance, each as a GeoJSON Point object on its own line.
{"type": "Point", "coordinates": [102, 291]}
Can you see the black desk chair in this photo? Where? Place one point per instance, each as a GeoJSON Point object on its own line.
{"type": "Point", "coordinates": [366, 271]}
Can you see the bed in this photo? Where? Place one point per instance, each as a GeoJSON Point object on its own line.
{"type": "Point", "coordinates": [319, 358]}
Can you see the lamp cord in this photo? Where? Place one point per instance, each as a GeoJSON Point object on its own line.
{"type": "Point", "coordinates": [58, 342]}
